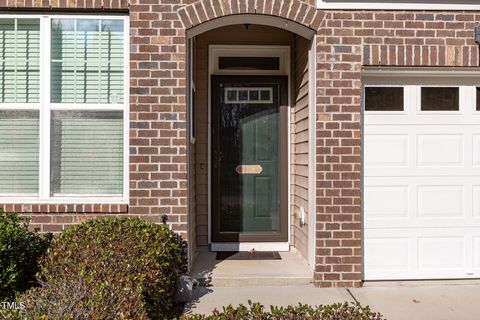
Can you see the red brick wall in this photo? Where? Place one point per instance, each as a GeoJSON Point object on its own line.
{"type": "Point", "coordinates": [157, 117]}
{"type": "Point", "coordinates": [346, 42]}
{"type": "Point", "coordinates": [158, 131]}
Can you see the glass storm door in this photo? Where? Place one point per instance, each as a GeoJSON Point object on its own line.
{"type": "Point", "coordinates": [249, 176]}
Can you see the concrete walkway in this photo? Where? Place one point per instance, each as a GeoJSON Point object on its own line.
{"type": "Point", "coordinates": [438, 302]}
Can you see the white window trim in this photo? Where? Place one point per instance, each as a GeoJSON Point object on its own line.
{"type": "Point", "coordinates": [396, 5]}
{"type": "Point", "coordinates": [474, 102]}
{"type": "Point", "coordinates": [281, 52]}
{"type": "Point", "coordinates": [45, 108]}
{"type": "Point", "coordinates": [191, 87]}
{"type": "Point", "coordinates": [387, 113]}
{"type": "Point", "coordinates": [461, 98]}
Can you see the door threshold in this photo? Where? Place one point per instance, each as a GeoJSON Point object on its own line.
{"type": "Point", "coordinates": [249, 246]}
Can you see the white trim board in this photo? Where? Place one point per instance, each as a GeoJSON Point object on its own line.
{"type": "Point", "coordinates": [217, 51]}
{"type": "Point", "coordinates": [442, 72]}
{"type": "Point", "coordinates": [437, 5]}
{"type": "Point", "coordinates": [448, 76]}
{"type": "Point", "coordinates": [312, 165]}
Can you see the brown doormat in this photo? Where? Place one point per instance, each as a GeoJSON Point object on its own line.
{"type": "Point", "coordinates": [246, 255]}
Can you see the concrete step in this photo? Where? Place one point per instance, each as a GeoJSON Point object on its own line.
{"type": "Point", "coordinates": [259, 280]}
{"type": "Point", "coordinates": [291, 269]}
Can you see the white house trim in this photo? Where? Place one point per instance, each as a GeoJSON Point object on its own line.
{"type": "Point", "coordinates": [421, 76]}
{"type": "Point", "coordinates": [312, 163]}
{"type": "Point", "coordinates": [399, 5]}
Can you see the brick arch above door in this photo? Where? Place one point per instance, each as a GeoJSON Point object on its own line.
{"type": "Point", "coordinates": [301, 12]}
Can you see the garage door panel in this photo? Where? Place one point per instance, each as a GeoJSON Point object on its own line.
{"type": "Point", "coordinates": [446, 201]}
{"type": "Point", "coordinates": [379, 248]}
{"type": "Point", "coordinates": [430, 253]}
{"type": "Point", "coordinates": [417, 172]}
{"type": "Point", "coordinates": [476, 254]}
{"type": "Point", "coordinates": [423, 129]}
{"type": "Point", "coordinates": [440, 150]}
{"type": "Point", "coordinates": [476, 150]}
{"type": "Point", "coordinates": [422, 119]}
{"type": "Point", "coordinates": [476, 200]}
{"type": "Point", "coordinates": [386, 202]}
{"type": "Point", "coordinates": [386, 150]}
{"type": "Point", "coordinates": [441, 253]}
{"type": "Point", "coordinates": [383, 224]}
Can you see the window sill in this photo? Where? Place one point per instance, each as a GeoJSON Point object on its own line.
{"type": "Point", "coordinates": [106, 208]}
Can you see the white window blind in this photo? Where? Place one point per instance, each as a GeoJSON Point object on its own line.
{"type": "Point", "coordinates": [87, 61]}
{"type": "Point", "coordinates": [19, 60]}
{"type": "Point", "coordinates": [19, 145]}
{"type": "Point", "coordinates": [87, 153]}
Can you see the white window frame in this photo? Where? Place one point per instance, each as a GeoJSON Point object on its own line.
{"type": "Point", "coordinates": [45, 107]}
{"type": "Point", "coordinates": [280, 52]}
{"type": "Point", "coordinates": [475, 97]}
{"type": "Point", "coordinates": [461, 98]}
{"type": "Point", "coordinates": [384, 112]}
{"type": "Point", "coordinates": [396, 5]}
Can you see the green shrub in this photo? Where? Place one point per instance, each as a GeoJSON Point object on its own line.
{"type": "Point", "coordinates": [20, 250]}
{"type": "Point", "coordinates": [256, 311]}
{"type": "Point", "coordinates": [111, 268]}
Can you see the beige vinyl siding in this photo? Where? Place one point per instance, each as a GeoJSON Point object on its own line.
{"type": "Point", "coordinates": [300, 146]}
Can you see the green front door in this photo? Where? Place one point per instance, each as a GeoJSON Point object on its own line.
{"type": "Point", "coordinates": [249, 159]}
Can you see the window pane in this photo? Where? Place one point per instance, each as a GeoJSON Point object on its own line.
{"type": "Point", "coordinates": [19, 145]}
{"type": "Point", "coordinates": [87, 153]}
{"type": "Point", "coordinates": [19, 60]}
{"type": "Point", "coordinates": [249, 63]}
{"type": "Point", "coordinates": [440, 99]}
{"type": "Point", "coordinates": [478, 98]}
{"type": "Point", "coordinates": [87, 61]}
{"type": "Point", "coordinates": [384, 98]}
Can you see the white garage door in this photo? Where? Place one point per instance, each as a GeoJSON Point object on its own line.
{"type": "Point", "coordinates": [421, 182]}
